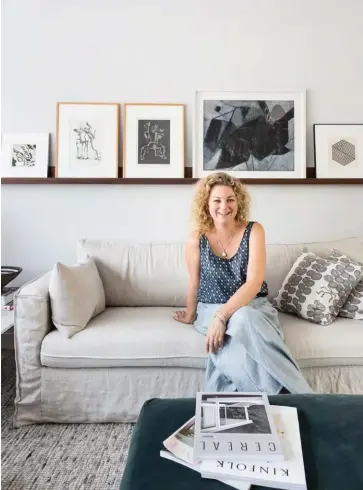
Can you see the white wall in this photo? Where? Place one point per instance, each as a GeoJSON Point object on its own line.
{"type": "Point", "coordinates": [163, 51]}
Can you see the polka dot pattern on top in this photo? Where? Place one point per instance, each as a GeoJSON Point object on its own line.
{"type": "Point", "coordinates": [220, 278]}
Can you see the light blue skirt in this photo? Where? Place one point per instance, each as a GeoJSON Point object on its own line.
{"type": "Point", "coordinates": [254, 356]}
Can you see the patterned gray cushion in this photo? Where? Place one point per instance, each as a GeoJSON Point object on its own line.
{"type": "Point", "coordinates": [353, 307]}
{"type": "Point", "coordinates": [317, 288]}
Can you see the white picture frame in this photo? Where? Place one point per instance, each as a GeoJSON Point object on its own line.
{"type": "Point", "coordinates": [153, 140]}
{"type": "Point", "coordinates": [250, 134]}
{"type": "Point", "coordinates": [338, 151]}
{"type": "Point", "coordinates": [87, 139]}
{"type": "Point", "coordinates": [25, 155]}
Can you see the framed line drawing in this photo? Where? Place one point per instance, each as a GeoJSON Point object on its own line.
{"type": "Point", "coordinates": [153, 141]}
{"type": "Point", "coordinates": [25, 155]}
{"type": "Point", "coordinates": [250, 134]}
{"type": "Point", "coordinates": [338, 151]}
{"type": "Point", "coordinates": [87, 139]}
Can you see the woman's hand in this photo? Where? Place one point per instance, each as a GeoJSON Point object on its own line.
{"type": "Point", "coordinates": [215, 335]}
{"type": "Point", "coordinates": [184, 317]}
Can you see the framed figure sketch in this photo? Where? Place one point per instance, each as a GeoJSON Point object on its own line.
{"type": "Point", "coordinates": [250, 134]}
{"type": "Point", "coordinates": [153, 141]}
{"type": "Point", "coordinates": [87, 139]}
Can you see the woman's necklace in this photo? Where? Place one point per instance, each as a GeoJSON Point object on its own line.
{"type": "Point", "coordinates": [224, 253]}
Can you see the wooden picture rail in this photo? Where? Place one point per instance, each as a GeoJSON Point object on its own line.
{"type": "Point", "coordinates": [51, 179]}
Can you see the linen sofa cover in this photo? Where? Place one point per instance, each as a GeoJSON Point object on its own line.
{"type": "Point", "coordinates": [154, 276]}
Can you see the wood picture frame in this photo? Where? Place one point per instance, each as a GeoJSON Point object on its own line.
{"type": "Point", "coordinates": [87, 139]}
{"type": "Point", "coordinates": [153, 140]}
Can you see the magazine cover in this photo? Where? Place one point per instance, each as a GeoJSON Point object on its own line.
{"type": "Point", "coordinates": [235, 426]}
{"type": "Point", "coordinates": [179, 447]}
{"type": "Point", "coordinates": [288, 474]}
{"type": "Point", "coordinates": [181, 442]}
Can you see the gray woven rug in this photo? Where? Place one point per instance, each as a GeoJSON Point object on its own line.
{"type": "Point", "coordinates": [58, 457]}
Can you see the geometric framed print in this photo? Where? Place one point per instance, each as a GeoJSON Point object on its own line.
{"type": "Point", "coordinates": [25, 155]}
{"type": "Point", "coordinates": [338, 150]}
{"type": "Point", "coordinates": [87, 139]}
{"type": "Point", "coordinates": [250, 134]}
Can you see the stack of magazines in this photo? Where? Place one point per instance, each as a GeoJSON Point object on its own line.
{"type": "Point", "coordinates": [240, 440]}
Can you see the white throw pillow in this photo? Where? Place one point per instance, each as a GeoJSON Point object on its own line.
{"type": "Point", "coordinates": [76, 295]}
{"type": "Point", "coordinates": [316, 288]}
{"type": "Point", "coordinates": [353, 307]}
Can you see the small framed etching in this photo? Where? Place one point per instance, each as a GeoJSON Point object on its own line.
{"type": "Point", "coordinates": [338, 151]}
{"type": "Point", "coordinates": [25, 155]}
{"type": "Point", "coordinates": [87, 139]}
{"type": "Point", "coordinates": [250, 134]}
{"type": "Point", "coordinates": [153, 141]}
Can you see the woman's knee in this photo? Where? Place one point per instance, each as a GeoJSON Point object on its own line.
{"type": "Point", "coordinates": [245, 314]}
{"type": "Point", "coordinates": [242, 319]}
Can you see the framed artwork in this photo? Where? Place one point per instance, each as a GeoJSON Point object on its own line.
{"type": "Point", "coordinates": [338, 151]}
{"type": "Point", "coordinates": [153, 141]}
{"type": "Point", "coordinates": [87, 139]}
{"type": "Point", "coordinates": [250, 134]}
{"type": "Point", "coordinates": [25, 155]}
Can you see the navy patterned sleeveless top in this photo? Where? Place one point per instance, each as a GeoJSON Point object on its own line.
{"type": "Point", "coordinates": [220, 278]}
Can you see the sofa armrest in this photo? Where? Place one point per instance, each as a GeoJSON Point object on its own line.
{"type": "Point", "coordinates": [32, 322]}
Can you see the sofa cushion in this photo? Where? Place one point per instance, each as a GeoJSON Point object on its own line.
{"type": "Point", "coordinates": [139, 275]}
{"type": "Point", "coordinates": [150, 337]}
{"type": "Point", "coordinates": [341, 343]}
{"type": "Point", "coordinates": [120, 336]}
{"type": "Point", "coordinates": [316, 288]}
{"type": "Point", "coordinates": [155, 274]}
{"type": "Point", "coordinates": [353, 307]}
{"type": "Point", "coordinates": [76, 295]}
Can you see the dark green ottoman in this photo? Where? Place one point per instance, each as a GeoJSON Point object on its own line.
{"type": "Point", "coordinates": [331, 429]}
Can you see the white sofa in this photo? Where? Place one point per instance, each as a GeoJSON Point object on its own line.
{"type": "Point", "coordinates": [135, 350]}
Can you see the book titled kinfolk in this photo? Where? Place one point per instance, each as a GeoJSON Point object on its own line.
{"type": "Point", "coordinates": [288, 474]}
{"type": "Point", "coordinates": [235, 426]}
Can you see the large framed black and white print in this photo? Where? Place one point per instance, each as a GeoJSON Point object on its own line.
{"type": "Point", "coordinates": [250, 134]}
{"type": "Point", "coordinates": [153, 141]}
{"type": "Point", "coordinates": [338, 151]}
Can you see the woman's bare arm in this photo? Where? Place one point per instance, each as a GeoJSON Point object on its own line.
{"type": "Point", "coordinates": [192, 256]}
{"type": "Point", "coordinates": [255, 273]}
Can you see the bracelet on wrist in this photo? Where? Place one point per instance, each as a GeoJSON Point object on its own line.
{"type": "Point", "coordinates": [223, 315]}
{"type": "Point", "coordinates": [219, 312]}
{"type": "Point", "coordinates": [220, 319]}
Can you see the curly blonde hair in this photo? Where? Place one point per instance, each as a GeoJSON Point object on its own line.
{"type": "Point", "coordinates": [202, 221]}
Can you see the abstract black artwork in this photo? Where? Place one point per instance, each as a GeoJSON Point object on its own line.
{"type": "Point", "coordinates": [249, 135]}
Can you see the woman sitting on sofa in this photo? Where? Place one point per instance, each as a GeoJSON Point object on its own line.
{"type": "Point", "coordinates": [227, 295]}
